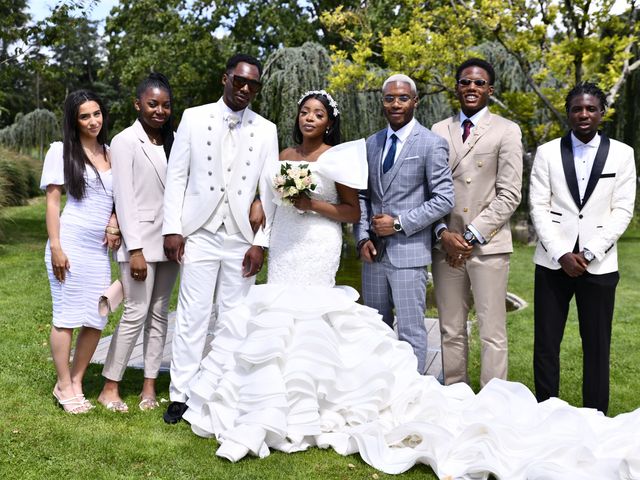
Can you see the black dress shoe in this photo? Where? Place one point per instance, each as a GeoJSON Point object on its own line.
{"type": "Point", "coordinates": [174, 412]}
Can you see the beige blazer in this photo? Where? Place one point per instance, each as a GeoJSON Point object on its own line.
{"type": "Point", "coordinates": [195, 180]}
{"type": "Point", "coordinates": [487, 178]}
{"type": "Point", "coordinates": [139, 171]}
{"type": "Point", "coordinates": [606, 210]}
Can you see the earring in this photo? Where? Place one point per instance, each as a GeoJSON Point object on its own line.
{"type": "Point", "coordinates": [326, 131]}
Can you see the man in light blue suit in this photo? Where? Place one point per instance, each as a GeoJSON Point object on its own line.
{"type": "Point", "coordinates": [410, 188]}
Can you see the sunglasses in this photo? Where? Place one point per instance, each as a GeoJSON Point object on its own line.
{"type": "Point", "coordinates": [478, 82]}
{"type": "Point", "coordinates": [239, 82]}
{"type": "Point", "coordinates": [390, 99]}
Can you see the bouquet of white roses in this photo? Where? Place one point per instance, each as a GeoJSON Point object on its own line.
{"type": "Point", "coordinates": [293, 180]}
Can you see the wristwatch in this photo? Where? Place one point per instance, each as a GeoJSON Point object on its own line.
{"type": "Point", "coordinates": [396, 225]}
{"type": "Point", "coordinates": [588, 255]}
{"type": "Point", "coordinates": [469, 237]}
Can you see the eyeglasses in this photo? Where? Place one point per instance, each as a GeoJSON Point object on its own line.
{"type": "Point", "coordinates": [390, 99]}
{"type": "Point", "coordinates": [239, 82]}
{"type": "Point", "coordinates": [478, 82]}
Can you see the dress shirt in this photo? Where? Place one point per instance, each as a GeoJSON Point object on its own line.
{"type": "Point", "coordinates": [402, 134]}
{"type": "Point", "coordinates": [475, 118]}
{"type": "Point", "coordinates": [584, 155]}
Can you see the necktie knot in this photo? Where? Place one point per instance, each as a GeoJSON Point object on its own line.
{"type": "Point", "coordinates": [232, 120]}
{"type": "Point", "coordinates": [466, 129]}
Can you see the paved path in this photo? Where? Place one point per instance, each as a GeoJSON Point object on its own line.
{"type": "Point", "coordinates": [434, 357]}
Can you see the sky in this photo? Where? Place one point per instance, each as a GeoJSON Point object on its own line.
{"type": "Point", "coordinates": [39, 9]}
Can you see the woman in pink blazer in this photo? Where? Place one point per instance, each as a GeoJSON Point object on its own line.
{"type": "Point", "coordinates": [139, 161]}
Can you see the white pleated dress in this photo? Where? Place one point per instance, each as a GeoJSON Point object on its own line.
{"type": "Point", "coordinates": [82, 224]}
{"type": "Point", "coordinates": [301, 364]}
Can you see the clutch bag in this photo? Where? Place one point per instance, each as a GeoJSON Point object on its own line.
{"type": "Point", "coordinates": [110, 299]}
{"type": "Point", "coordinates": [379, 243]}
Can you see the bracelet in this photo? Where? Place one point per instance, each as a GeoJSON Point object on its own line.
{"type": "Point", "coordinates": [135, 254]}
{"type": "Point", "coordinates": [112, 230]}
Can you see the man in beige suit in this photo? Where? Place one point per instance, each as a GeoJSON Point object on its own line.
{"type": "Point", "coordinates": [471, 256]}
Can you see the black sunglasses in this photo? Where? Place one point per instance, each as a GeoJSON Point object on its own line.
{"type": "Point", "coordinates": [478, 82]}
{"type": "Point", "coordinates": [239, 82]}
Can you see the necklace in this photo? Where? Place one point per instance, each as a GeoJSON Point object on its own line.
{"type": "Point", "coordinates": [94, 155]}
{"type": "Point", "coordinates": [155, 140]}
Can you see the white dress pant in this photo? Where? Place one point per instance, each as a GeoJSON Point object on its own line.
{"type": "Point", "coordinates": [146, 304]}
{"type": "Point", "coordinates": [211, 275]}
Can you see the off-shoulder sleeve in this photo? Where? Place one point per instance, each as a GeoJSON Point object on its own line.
{"type": "Point", "coordinates": [53, 168]}
{"type": "Point", "coordinates": [346, 164]}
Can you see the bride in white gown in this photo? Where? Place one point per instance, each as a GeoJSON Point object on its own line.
{"type": "Point", "coordinates": [301, 364]}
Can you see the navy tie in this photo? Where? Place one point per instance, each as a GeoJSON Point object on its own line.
{"type": "Point", "coordinates": [391, 155]}
{"type": "Point", "coordinates": [466, 125]}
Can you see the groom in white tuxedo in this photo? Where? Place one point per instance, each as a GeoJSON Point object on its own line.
{"type": "Point", "coordinates": [219, 158]}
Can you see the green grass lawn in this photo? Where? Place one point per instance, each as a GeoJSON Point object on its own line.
{"type": "Point", "coordinates": [39, 441]}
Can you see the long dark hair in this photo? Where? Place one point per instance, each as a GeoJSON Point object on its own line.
{"type": "Point", "coordinates": [75, 159]}
{"type": "Point", "coordinates": [332, 136]}
{"type": "Point", "coordinates": [158, 80]}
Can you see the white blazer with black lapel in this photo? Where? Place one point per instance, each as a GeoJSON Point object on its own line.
{"type": "Point", "coordinates": [561, 219]}
{"type": "Point", "coordinates": [139, 172]}
{"type": "Point", "coordinates": [418, 188]}
{"type": "Point", "coordinates": [195, 179]}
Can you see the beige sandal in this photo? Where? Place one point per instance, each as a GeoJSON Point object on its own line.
{"type": "Point", "coordinates": [148, 404]}
{"type": "Point", "coordinates": [116, 406]}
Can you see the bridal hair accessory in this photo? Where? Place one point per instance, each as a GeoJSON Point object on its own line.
{"type": "Point", "coordinates": [110, 299]}
{"type": "Point", "coordinates": [332, 103]}
{"type": "Point", "coordinates": [293, 180]}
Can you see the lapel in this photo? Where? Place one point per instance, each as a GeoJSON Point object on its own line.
{"type": "Point", "coordinates": [158, 161]}
{"type": "Point", "coordinates": [598, 166]}
{"type": "Point", "coordinates": [463, 149]}
{"type": "Point", "coordinates": [375, 163]}
{"type": "Point", "coordinates": [569, 167]}
{"type": "Point", "coordinates": [387, 179]}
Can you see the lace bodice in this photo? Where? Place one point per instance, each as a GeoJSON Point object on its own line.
{"type": "Point", "coordinates": [305, 247]}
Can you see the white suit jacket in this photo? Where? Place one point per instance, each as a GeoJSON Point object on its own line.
{"type": "Point", "coordinates": [139, 171]}
{"type": "Point", "coordinates": [599, 220]}
{"type": "Point", "coordinates": [195, 180]}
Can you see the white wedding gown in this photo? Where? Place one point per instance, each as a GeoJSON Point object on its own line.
{"type": "Point", "coordinates": [301, 364]}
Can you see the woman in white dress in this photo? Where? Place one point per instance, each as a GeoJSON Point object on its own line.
{"type": "Point", "coordinates": [301, 364]}
{"type": "Point", "coordinates": [139, 160]}
{"type": "Point", "coordinates": [76, 255]}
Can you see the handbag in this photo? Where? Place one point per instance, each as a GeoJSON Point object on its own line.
{"type": "Point", "coordinates": [379, 243]}
{"type": "Point", "coordinates": [110, 299]}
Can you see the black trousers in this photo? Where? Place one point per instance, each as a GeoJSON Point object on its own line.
{"type": "Point", "coordinates": [595, 298]}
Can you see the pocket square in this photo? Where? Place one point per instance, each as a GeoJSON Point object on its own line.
{"type": "Point", "coordinates": [608, 175]}
{"type": "Point", "coordinates": [111, 298]}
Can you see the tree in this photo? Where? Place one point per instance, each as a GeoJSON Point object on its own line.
{"type": "Point", "coordinates": [163, 36]}
{"type": "Point", "coordinates": [550, 45]}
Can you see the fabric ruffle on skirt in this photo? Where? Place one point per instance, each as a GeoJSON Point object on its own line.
{"type": "Point", "coordinates": [295, 367]}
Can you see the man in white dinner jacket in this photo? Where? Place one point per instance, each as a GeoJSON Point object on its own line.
{"type": "Point", "coordinates": [220, 155]}
{"type": "Point", "coordinates": [583, 187]}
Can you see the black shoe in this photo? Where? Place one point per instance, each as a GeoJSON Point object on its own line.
{"type": "Point", "coordinates": [174, 412]}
